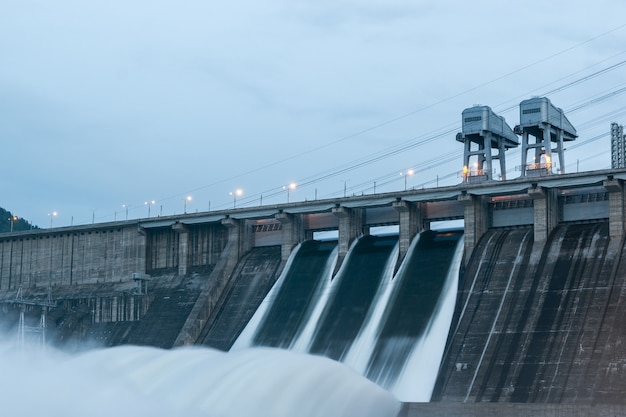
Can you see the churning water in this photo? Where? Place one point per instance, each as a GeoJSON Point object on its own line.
{"type": "Point", "coordinates": [196, 381]}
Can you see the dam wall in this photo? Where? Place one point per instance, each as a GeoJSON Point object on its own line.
{"type": "Point", "coordinates": [108, 284]}
{"type": "Point", "coordinates": [538, 317]}
{"type": "Point", "coordinates": [71, 257]}
{"type": "Point", "coordinates": [539, 323]}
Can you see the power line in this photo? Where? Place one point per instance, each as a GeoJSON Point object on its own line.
{"type": "Point", "coordinates": [413, 112]}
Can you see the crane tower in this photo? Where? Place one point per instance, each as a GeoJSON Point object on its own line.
{"type": "Point", "coordinates": [547, 124]}
{"type": "Point", "coordinates": [483, 131]}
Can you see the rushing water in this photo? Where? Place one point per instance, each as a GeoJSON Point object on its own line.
{"type": "Point", "coordinates": [389, 328]}
{"type": "Point", "coordinates": [401, 356]}
{"type": "Point", "coordinates": [198, 381]}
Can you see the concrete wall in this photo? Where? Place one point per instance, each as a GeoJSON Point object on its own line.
{"type": "Point", "coordinates": [539, 322]}
{"type": "Point", "coordinates": [181, 247]}
{"type": "Point", "coordinates": [71, 257]}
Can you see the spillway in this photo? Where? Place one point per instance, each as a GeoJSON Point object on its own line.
{"type": "Point", "coordinates": [539, 323]}
{"type": "Point", "coordinates": [425, 280]}
{"type": "Point", "coordinates": [253, 278]}
{"type": "Point", "coordinates": [352, 296]}
{"type": "Point", "coordinates": [290, 305]}
{"type": "Point", "coordinates": [390, 329]}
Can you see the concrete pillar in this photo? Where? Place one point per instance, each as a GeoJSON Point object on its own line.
{"type": "Point", "coordinates": [502, 159]}
{"type": "Point", "coordinates": [350, 227]}
{"type": "Point", "coordinates": [524, 152]}
{"type": "Point", "coordinates": [547, 149]}
{"type": "Point", "coordinates": [488, 171]}
{"type": "Point", "coordinates": [235, 240]}
{"type": "Point", "coordinates": [292, 233]}
{"type": "Point", "coordinates": [411, 223]}
{"type": "Point", "coordinates": [560, 148]}
{"type": "Point", "coordinates": [476, 221]}
{"type": "Point", "coordinates": [546, 210]}
{"type": "Point", "coordinates": [617, 207]}
{"type": "Point", "coordinates": [183, 247]}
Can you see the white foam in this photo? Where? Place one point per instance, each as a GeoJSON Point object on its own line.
{"type": "Point", "coordinates": [190, 381]}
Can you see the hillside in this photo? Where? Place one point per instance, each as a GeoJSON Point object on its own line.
{"type": "Point", "coordinates": [11, 222]}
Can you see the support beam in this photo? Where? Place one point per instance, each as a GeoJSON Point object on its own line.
{"type": "Point", "coordinates": [546, 211]}
{"type": "Point", "coordinates": [235, 238]}
{"type": "Point", "coordinates": [411, 223]}
{"type": "Point", "coordinates": [183, 247]}
{"type": "Point", "coordinates": [476, 221]}
{"type": "Point", "coordinates": [617, 207]}
{"type": "Point", "coordinates": [350, 227]}
{"type": "Point", "coordinates": [292, 233]}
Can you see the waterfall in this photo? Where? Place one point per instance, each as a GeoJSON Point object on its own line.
{"type": "Point", "coordinates": [417, 379]}
{"type": "Point", "coordinates": [390, 329]}
{"type": "Point", "coordinates": [245, 338]}
{"type": "Point", "coordinates": [360, 352]}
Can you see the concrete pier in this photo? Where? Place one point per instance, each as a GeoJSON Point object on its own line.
{"type": "Point", "coordinates": [350, 227]}
{"type": "Point", "coordinates": [411, 223]}
{"type": "Point", "coordinates": [476, 221]}
{"type": "Point", "coordinates": [617, 207]}
{"type": "Point", "coordinates": [546, 211]}
{"type": "Point", "coordinates": [292, 232]}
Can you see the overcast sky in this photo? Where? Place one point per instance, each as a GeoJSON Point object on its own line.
{"type": "Point", "coordinates": [111, 103]}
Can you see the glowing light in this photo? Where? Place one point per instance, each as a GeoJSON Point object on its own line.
{"type": "Point", "coordinates": [52, 216]}
{"type": "Point", "coordinates": [237, 193]}
{"type": "Point", "coordinates": [405, 174]}
{"type": "Point", "coordinates": [149, 203]}
{"type": "Point", "coordinates": [289, 187]}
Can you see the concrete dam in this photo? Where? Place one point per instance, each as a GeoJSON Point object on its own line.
{"type": "Point", "coordinates": [535, 277]}
{"type": "Point", "coordinates": [517, 311]}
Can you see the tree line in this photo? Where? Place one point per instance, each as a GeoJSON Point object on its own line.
{"type": "Point", "coordinates": [11, 222]}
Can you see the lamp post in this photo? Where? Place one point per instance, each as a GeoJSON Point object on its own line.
{"type": "Point", "coordinates": [188, 198]}
{"type": "Point", "coordinates": [237, 192]}
{"type": "Point", "coordinates": [149, 203]}
{"type": "Point", "coordinates": [289, 187]}
{"type": "Point", "coordinates": [345, 188]}
{"type": "Point", "coordinates": [12, 219]}
{"type": "Point", "coordinates": [52, 216]}
{"type": "Point", "coordinates": [405, 175]}
{"type": "Point", "coordinates": [125, 206]}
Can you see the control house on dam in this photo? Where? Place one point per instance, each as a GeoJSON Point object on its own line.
{"type": "Point", "coordinates": [519, 311]}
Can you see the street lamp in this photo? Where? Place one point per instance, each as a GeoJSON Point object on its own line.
{"type": "Point", "coordinates": [188, 198]}
{"type": "Point", "coordinates": [52, 216]}
{"type": "Point", "coordinates": [12, 219]}
{"type": "Point", "coordinates": [149, 203]}
{"type": "Point", "coordinates": [406, 174]}
{"type": "Point", "coordinates": [237, 192]}
{"type": "Point", "coordinates": [289, 187]}
{"type": "Point", "coordinates": [125, 206]}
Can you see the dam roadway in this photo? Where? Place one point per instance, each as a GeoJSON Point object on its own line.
{"type": "Point", "coordinates": [537, 326]}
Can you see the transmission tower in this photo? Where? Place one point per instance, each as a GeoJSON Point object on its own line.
{"type": "Point", "coordinates": [618, 146]}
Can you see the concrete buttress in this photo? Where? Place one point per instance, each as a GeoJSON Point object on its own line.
{"type": "Point", "coordinates": [183, 247]}
{"type": "Point", "coordinates": [292, 233]}
{"type": "Point", "coordinates": [476, 221]}
{"type": "Point", "coordinates": [411, 223]}
{"type": "Point", "coordinates": [617, 206]}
